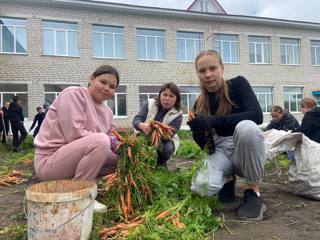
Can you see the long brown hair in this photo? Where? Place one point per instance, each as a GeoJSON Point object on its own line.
{"type": "Point", "coordinates": [224, 102]}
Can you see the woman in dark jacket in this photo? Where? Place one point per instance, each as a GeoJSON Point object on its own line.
{"type": "Point", "coordinates": [310, 125]}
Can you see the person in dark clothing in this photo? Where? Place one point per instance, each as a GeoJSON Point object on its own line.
{"type": "Point", "coordinates": [282, 120]}
{"type": "Point", "coordinates": [166, 108]}
{"type": "Point", "coordinates": [310, 124]}
{"type": "Point", "coordinates": [4, 124]}
{"type": "Point", "coordinates": [231, 110]}
{"type": "Point", "coordinates": [15, 115]}
{"type": "Point", "coordinates": [37, 118]}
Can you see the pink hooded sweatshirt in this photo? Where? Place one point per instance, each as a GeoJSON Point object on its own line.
{"type": "Point", "coordinates": [72, 115]}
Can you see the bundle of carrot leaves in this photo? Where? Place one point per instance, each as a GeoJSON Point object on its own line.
{"type": "Point", "coordinates": [145, 201]}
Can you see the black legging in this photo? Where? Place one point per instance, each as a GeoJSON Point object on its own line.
{"type": "Point", "coordinates": [16, 127]}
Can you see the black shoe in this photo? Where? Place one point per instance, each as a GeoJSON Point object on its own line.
{"type": "Point", "coordinates": [227, 192]}
{"type": "Point", "coordinates": [252, 208]}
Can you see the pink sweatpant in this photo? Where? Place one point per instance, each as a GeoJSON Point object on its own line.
{"type": "Point", "coordinates": [84, 158]}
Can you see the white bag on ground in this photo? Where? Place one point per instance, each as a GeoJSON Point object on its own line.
{"type": "Point", "coordinates": [304, 171]}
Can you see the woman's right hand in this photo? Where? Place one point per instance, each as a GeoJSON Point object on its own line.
{"type": "Point", "coordinates": [146, 128]}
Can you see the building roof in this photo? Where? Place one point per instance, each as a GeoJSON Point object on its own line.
{"type": "Point", "coordinates": [165, 12]}
{"type": "Point", "coordinates": [214, 2]}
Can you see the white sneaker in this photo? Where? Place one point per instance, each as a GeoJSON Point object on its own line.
{"type": "Point", "coordinates": [99, 207]}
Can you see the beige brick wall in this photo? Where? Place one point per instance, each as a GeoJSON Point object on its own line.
{"type": "Point", "coordinates": [37, 70]}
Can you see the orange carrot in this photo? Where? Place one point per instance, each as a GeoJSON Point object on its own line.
{"type": "Point", "coordinates": [129, 152]}
{"type": "Point", "coordinates": [163, 214]}
{"type": "Point", "coordinates": [132, 182]}
{"type": "Point", "coordinates": [117, 135]}
{"type": "Point", "coordinates": [129, 204]}
{"type": "Point", "coordinates": [123, 206]}
{"type": "Point", "coordinates": [133, 139]}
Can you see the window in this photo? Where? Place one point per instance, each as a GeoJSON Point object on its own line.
{"type": "Point", "coordinates": [189, 95]}
{"type": "Point", "coordinates": [60, 39]}
{"type": "Point", "coordinates": [108, 42]}
{"type": "Point", "coordinates": [292, 98]}
{"type": "Point", "coordinates": [118, 103]}
{"type": "Point", "coordinates": [290, 51]}
{"type": "Point", "coordinates": [51, 91]}
{"type": "Point", "coordinates": [264, 96]}
{"type": "Point", "coordinates": [13, 35]}
{"type": "Point", "coordinates": [201, 6]}
{"type": "Point", "coordinates": [259, 50]}
{"type": "Point", "coordinates": [150, 44]}
{"type": "Point", "coordinates": [227, 46]}
{"type": "Point", "coordinates": [147, 92]}
{"type": "Point", "coordinates": [206, 6]}
{"type": "Point", "coordinates": [7, 91]}
{"type": "Point", "coordinates": [190, 44]}
{"type": "Point", "coordinates": [315, 52]}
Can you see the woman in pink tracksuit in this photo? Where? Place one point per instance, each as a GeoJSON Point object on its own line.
{"type": "Point", "coordinates": [74, 141]}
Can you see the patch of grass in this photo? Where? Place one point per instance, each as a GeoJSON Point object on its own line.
{"type": "Point", "coordinates": [14, 232]}
{"type": "Point", "coordinates": [299, 205]}
{"type": "Point", "coordinates": [184, 134]}
{"type": "Point", "coordinates": [281, 160]}
{"type": "Point", "coordinates": [190, 150]}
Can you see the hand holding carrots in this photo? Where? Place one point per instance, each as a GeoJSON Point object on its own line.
{"type": "Point", "coordinates": [146, 128]}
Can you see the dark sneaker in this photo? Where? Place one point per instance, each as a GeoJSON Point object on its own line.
{"type": "Point", "coordinates": [252, 208]}
{"type": "Point", "coordinates": [227, 192]}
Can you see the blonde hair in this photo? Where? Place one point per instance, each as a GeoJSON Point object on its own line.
{"type": "Point", "coordinates": [202, 105]}
{"type": "Point", "coordinates": [308, 103]}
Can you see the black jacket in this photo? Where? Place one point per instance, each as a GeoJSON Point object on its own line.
{"type": "Point", "coordinates": [38, 118]}
{"type": "Point", "coordinates": [15, 113]}
{"type": "Point", "coordinates": [246, 107]}
{"type": "Point", "coordinates": [287, 122]}
{"type": "Point", "coordinates": [310, 125]}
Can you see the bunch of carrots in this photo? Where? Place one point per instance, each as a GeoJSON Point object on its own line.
{"type": "Point", "coordinates": [130, 183]}
{"type": "Point", "coordinates": [160, 131]}
{"type": "Point", "coordinates": [15, 177]}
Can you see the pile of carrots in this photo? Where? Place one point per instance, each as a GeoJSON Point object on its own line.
{"type": "Point", "coordinates": [15, 177]}
{"type": "Point", "coordinates": [121, 230]}
{"type": "Point", "coordinates": [167, 215]}
{"type": "Point", "coordinates": [160, 131]}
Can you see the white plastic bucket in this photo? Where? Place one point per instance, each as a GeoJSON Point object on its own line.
{"type": "Point", "coordinates": [60, 209]}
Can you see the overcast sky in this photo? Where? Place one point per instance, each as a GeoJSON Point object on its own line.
{"type": "Point", "coordinates": [307, 10]}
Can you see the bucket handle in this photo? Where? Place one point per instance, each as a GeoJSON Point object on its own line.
{"type": "Point", "coordinates": [61, 225]}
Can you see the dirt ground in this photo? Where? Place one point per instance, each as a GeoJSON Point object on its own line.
{"type": "Point", "coordinates": [289, 217]}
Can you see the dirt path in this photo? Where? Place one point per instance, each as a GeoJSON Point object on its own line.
{"type": "Point", "coordinates": [289, 217]}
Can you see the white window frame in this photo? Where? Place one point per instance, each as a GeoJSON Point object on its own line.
{"type": "Point", "coordinates": [156, 43]}
{"type": "Point", "coordinates": [116, 94]}
{"type": "Point", "coordinates": [266, 110]}
{"type": "Point", "coordinates": [66, 31]}
{"type": "Point", "coordinates": [263, 54]}
{"type": "Point", "coordinates": [14, 37]}
{"type": "Point", "coordinates": [291, 45]}
{"type": "Point", "coordinates": [294, 94]}
{"type": "Point", "coordinates": [229, 42]}
{"type": "Point", "coordinates": [113, 39]}
{"type": "Point", "coordinates": [15, 94]}
{"type": "Point", "coordinates": [316, 48]}
{"type": "Point", "coordinates": [194, 45]}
